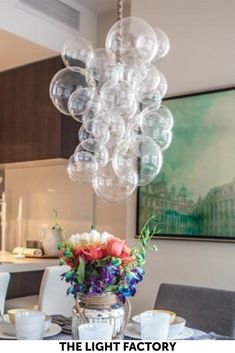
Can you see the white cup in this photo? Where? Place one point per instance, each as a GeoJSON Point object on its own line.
{"type": "Point", "coordinates": [95, 331]}
{"type": "Point", "coordinates": [30, 325]}
{"type": "Point", "coordinates": [154, 326]}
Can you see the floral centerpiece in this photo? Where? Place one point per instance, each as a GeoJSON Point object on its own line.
{"type": "Point", "coordinates": [102, 263]}
{"type": "Point", "coordinates": [103, 272]}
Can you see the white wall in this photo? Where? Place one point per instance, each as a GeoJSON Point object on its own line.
{"type": "Point", "coordinates": [46, 187]}
{"type": "Point", "coordinates": [41, 30]}
{"type": "Point", "coordinates": [202, 57]}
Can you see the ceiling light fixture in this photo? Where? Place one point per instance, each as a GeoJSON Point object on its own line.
{"type": "Point", "coordinates": [116, 93]}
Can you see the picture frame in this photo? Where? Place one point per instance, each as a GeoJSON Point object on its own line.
{"type": "Point", "coordinates": [194, 193]}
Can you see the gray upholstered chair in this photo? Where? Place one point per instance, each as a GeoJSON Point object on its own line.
{"type": "Point", "coordinates": [206, 309]}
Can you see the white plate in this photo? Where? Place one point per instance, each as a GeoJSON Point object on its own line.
{"type": "Point", "coordinates": [131, 332]}
{"type": "Point", "coordinates": [53, 330]}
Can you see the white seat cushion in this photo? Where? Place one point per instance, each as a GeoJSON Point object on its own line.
{"type": "Point", "coordinates": [23, 302]}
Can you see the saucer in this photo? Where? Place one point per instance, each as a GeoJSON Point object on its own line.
{"type": "Point", "coordinates": [53, 330]}
{"type": "Point", "coordinates": [131, 332]}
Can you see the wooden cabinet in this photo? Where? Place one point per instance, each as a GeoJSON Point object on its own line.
{"type": "Point", "coordinates": [30, 126]}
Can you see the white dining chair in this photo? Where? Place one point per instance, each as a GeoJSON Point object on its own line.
{"type": "Point", "coordinates": [4, 281]}
{"type": "Point", "coordinates": [52, 298]}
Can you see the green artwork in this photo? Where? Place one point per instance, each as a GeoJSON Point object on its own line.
{"type": "Point", "coordinates": [194, 194]}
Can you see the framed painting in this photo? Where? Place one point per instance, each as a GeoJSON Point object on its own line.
{"type": "Point", "coordinates": [194, 194]}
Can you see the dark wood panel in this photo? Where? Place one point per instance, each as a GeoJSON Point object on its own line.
{"type": "Point", "coordinates": [30, 126]}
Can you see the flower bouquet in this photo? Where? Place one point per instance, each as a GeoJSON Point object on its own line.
{"type": "Point", "coordinates": [103, 266]}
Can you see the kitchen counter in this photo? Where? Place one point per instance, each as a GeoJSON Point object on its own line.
{"type": "Point", "coordinates": [8, 263]}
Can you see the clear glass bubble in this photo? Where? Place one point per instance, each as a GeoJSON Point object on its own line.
{"type": "Point", "coordinates": [117, 96]}
{"type": "Point", "coordinates": [124, 163]}
{"type": "Point", "coordinates": [93, 109]}
{"type": "Point", "coordinates": [83, 134]}
{"type": "Point", "coordinates": [162, 87]}
{"type": "Point", "coordinates": [163, 138]}
{"type": "Point", "coordinates": [164, 44]}
{"type": "Point", "coordinates": [82, 166]}
{"type": "Point", "coordinates": [76, 52]}
{"type": "Point", "coordinates": [133, 127]}
{"type": "Point", "coordinates": [152, 98]}
{"type": "Point", "coordinates": [127, 114]}
{"type": "Point", "coordinates": [63, 84]}
{"type": "Point", "coordinates": [109, 187]}
{"type": "Point", "coordinates": [138, 40]}
{"type": "Point", "coordinates": [146, 79]}
{"type": "Point", "coordinates": [102, 67]}
{"type": "Point", "coordinates": [142, 154]}
{"type": "Point", "coordinates": [96, 148]}
{"type": "Point", "coordinates": [98, 128]}
{"type": "Point", "coordinates": [152, 121]}
{"type": "Point", "coordinates": [78, 102]}
{"type": "Point", "coordinates": [116, 132]}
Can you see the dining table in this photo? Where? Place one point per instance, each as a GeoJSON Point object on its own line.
{"type": "Point", "coordinates": [65, 333]}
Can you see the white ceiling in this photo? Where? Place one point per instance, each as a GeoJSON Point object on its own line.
{"type": "Point", "coordinates": [16, 51]}
{"type": "Point", "coordinates": [98, 6]}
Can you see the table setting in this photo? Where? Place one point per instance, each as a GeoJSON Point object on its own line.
{"type": "Point", "coordinates": [102, 274]}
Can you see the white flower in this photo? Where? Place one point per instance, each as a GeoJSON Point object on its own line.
{"type": "Point", "coordinates": [74, 239]}
{"type": "Point", "coordinates": [85, 237]}
{"type": "Point", "coordinates": [105, 236]}
{"type": "Point", "coordinates": [94, 236]}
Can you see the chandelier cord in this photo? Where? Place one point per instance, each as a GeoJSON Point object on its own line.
{"type": "Point", "coordinates": [120, 12]}
{"type": "Point", "coordinates": [120, 9]}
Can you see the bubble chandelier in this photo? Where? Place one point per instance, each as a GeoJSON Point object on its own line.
{"type": "Point", "coordinates": [116, 94]}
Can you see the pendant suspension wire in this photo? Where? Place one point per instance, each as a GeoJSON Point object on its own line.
{"type": "Point", "coordinates": [94, 199]}
{"type": "Point", "coordinates": [120, 12]}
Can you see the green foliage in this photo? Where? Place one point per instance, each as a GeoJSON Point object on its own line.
{"type": "Point", "coordinates": [81, 270]}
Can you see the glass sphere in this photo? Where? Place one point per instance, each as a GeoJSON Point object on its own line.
{"type": "Point", "coordinates": [96, 148]}
{"type": "Point", "coordinates": [146, 79]}
{"type": "Point", "coordinates": [138, 40]}
{"type": "Point", "coordinates": [141, 154]}
{"type": "Point", "coordinates": [164, 44]}
{"type": "Point", "coordinates": [124, 163]}
{"type": "Point", "coordinates": [63, 84]}
{"type": "Point", "coordinates": [78, 102]}
{"type": "Point", "coordinates": [98, 128]}
{"type": "Point", "coordinates": [83, 134]}
{"type": "Point", "coordinates": [82, 166]}
{"type": "Point", "coordinates": [163, 138]}
{"type": "Point", "coordinates": [152, 98]}
{"type": "Point", "coordinates": [76, 52]}
{"type": "Point", "coordinates": [102, 67]}
{"type": "Point", "coordinates": [117, 130]}
{"type": "Point", "coordinates": [117, 96]}
{"type": "Point", "coordinates": [109, 187]}
{"type": "Point", "coordinates": [93, 109]}
{"type": "Point", "coordinates": [162, 87]}
{"type": "Point", "coordinates": [154, 120]}
{"type": "Point", "coordinates": [133, 127]}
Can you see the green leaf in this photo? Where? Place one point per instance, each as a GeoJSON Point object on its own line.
{"type": "Point", "coordinates": [61, 262]}
{"type": "Point", "coordinates": [81, 270]}
{"type": "Point", "coordinates": [116, 261]}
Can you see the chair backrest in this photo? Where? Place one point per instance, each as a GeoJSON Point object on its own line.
{"type": "Point", "coordinates": [53, 298]}
{"type": "Point", "coordinates": [4, 281]}
{"type": "Point", "coordinates": [207, 309]}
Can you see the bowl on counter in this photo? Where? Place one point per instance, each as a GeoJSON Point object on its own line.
{"type": "Point", "coordinates": [9, 328]}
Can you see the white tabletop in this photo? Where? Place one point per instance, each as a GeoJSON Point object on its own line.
{"type": "Point", "coordinates": [8, 263]}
